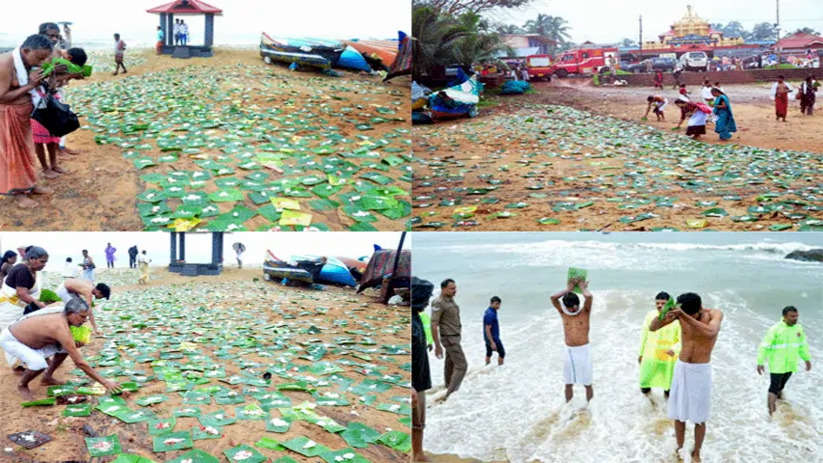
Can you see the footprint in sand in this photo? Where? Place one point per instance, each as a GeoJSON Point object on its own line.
{"type": "Point", "coordinates": [577, 422]}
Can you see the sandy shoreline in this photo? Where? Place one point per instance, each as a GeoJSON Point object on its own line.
{"type": "Point", "coordinates": [237, 89]}
{"type": "Point", "coordinates": [212, 315]}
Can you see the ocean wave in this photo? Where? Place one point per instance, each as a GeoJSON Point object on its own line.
{"type": "Point", "coordinates": [549, 245]}
{"type": "Point", "coordinates": [517, 412]}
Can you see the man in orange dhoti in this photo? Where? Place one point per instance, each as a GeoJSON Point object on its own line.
{"type": "Point", "coordinates": [17, 81]}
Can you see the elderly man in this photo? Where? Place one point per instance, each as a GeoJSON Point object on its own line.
{"type": "Point", "coordinates": [42, 341]}
{"type": "Point", "coordinates": [17, 82]}
{"type": "Point", "coordinates": [85, 290]}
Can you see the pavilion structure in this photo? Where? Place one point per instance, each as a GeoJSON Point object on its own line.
{"type": "Point", "coordinates": [177, 256]}
{"type": "Point", "coordinates": [167, 14]}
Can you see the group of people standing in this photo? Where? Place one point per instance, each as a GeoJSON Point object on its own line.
{"type": "Point", "coordinates": [678, 337]}
{"type": "Point", "coordinates": [806, 94]}
{"type": "Point", "coordinates": [24, 88]}
{"type": "Point", "coordinates": [181, 32]}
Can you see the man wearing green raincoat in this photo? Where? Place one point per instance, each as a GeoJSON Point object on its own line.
{"type": "Point", "coordinates": [783, 344]}
{"type": "Point", "coordinates": [658, 350]}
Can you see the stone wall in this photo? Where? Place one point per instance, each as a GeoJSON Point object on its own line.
{"type": "Point", "coordinates": [724, 77]}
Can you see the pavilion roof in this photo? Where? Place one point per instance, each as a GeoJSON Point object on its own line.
{"type": "Point", "coordinates": [186, 7]}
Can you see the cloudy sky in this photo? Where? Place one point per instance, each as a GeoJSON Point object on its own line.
{"type": "Point", "coordinates": [242, 20]}
{"type": "Point", "coordinates": [611, 21]}
{"type": "Point", "coordinates": [198, 245]}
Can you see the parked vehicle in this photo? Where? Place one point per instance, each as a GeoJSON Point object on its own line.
{"type": "Point", "coordinates": [584, 61]}
{"type": "Point", "coordinates": [663, 64]}
{"type": "Point", "coordinates": [539, 67]}
{"type": "Point", "coordinates": [694, 61]}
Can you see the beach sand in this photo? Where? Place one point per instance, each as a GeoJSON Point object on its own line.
{"type": "Point", "coordinates": [100, 191]}
{"type": "Point", "coordinates": [232, 295]}
{"type": "Point", "coordinates": [476, 149]}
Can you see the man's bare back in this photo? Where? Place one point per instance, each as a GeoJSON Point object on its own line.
{"type": "Point", "coordinates": [40, 331]}
{"type": "Point", "coordinates": [697, 345]}
{"type": "Point", "coordinates": [699, 332]}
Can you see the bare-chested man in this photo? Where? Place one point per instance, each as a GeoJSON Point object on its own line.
{"type": "Point", "coordinates": [42, 341]}
{"type": "Point", "coordinates": [577, 367]}
{"type": "Point", "coordinates": [690, 397]}
{"type": "Point", "coordinates": [17, 80]}
{"type": "Point", "coordinates": [85, 290]}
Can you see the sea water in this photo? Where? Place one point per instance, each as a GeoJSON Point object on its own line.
{"type": "Point", "coordinates": [517, 412]}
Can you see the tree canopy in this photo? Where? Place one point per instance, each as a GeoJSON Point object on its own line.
{"type": "Point", "coordinates": [457, 7]}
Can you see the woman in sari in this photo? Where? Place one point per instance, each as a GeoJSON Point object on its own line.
{"type": "Point", "coordinates": [724, 123]}
{"type": "Point", "coordinates": [22, 286]}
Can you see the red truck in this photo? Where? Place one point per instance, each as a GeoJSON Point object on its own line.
{"type": "Point", "coordinates": [583, 61]}
{"type": "Point", "coordinates": [539, 67]}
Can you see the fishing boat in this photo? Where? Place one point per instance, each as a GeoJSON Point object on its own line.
{"type": "Point", "coordinates": [333, 271]}
{"type": "Point", "coordinates": [301, 269]}
{"type": "Point", "coordinates": [379, 53]}
{"type": "Point", "coordinates": [318, 53]}
{"type": "Point", "coordinates": [458, 100]}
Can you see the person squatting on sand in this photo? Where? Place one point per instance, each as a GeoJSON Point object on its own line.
{"type": "Point", "coordinates": [577, 366]}
{"type": "Point", "coordinates": [659, 104]}
{"type": "Point", "coordinates": [42, 340]}
{"type": "Point", "coordinates": [446, 330]}
{"type": "Point", "coordinates": [690, 397]}
{"type": "Point", "coordinates": [782, 345]}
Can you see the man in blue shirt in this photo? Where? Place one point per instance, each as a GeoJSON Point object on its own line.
{"type": "Point", "coordinates": [491, 332]}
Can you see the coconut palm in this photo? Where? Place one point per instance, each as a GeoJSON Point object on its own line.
{"type": "Point", "coordinates": [509, 29]}
{"type": "Point", "coordinates": [551, 27]}
{"type": "Point", "coordinates": [434, 35]}
{"type": "Point", "coordinates": [441, 40]}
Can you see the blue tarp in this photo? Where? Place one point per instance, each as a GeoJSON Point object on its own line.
{"type": "Point", "coordinates": [352, 59]}
{"type": "Point", "coordinates": [514, 87]}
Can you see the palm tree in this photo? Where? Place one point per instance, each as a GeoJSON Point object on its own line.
{"type": "Point", "coordinates": [552, 27]}
{"type": "Point", "coordinates": [476, 47]}
{"type": "Point", "coordinates": [441, 39]}
{"type": "Point", "coordinates": [509, 29]}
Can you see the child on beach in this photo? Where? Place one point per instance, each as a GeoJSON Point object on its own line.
{"type": "Point", "coordinates": [659, 103]}
{"type": "Point", "coordinates": [577, 368]}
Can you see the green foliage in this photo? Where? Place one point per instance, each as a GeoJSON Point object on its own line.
{"type": "Point", "coordinates": [553, 28]}
{"type": "Point", "coordinates": [444, 39]}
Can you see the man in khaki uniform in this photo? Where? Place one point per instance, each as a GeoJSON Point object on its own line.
{"type": "Point", "coordinates": [445, 326]}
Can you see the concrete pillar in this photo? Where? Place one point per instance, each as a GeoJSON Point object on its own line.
{"type": "Point", "coordinates": [209, 30]}
{"type": "Point", "coordinates": [183, 246]}
{"type": "Point", "coordinates": [173, 248]}
{"type": "Point", "coordinates": [170, 29]}
{"type": "Point", "coordinates": [216, 247]}
{"type": "Point", "coordinates": [163, 26]}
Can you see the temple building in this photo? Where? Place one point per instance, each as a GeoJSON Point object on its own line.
{"type": "Point", "coordinates": [691, 33]}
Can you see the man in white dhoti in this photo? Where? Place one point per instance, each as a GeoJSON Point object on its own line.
{"type": "Point", "coordinates": [690, 397]}
{"type": "Point", "coordinates": [577, 366]}
{"type": "Point", "coordinates": [42, 340]}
